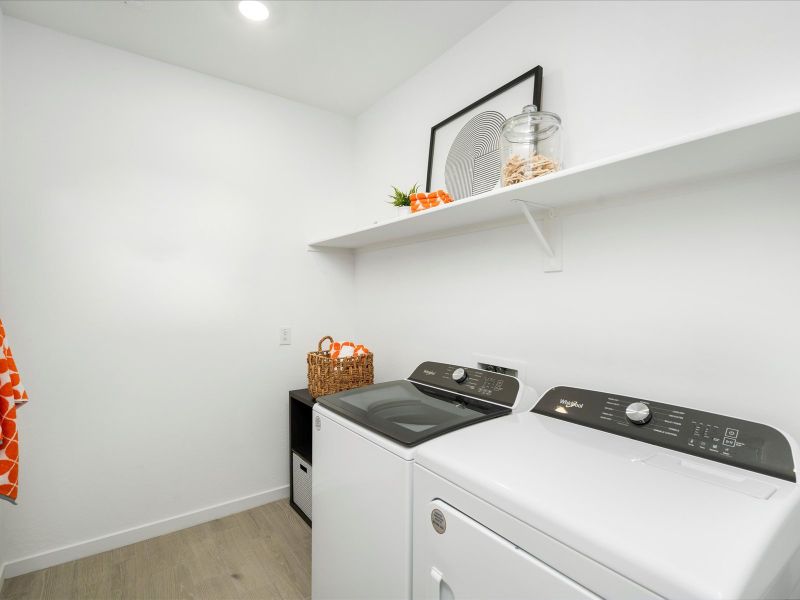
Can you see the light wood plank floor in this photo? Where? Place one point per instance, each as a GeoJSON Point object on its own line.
{"type": "Point", "coordinates": [262, 553]}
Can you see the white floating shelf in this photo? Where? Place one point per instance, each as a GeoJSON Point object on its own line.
{"type": "Point", "coordinates": [743, 149]}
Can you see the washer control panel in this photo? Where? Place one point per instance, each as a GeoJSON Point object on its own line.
{"type": "Point", "coordinates": [485, 385]}
{"type": "Point", "coordinates": [743, 444]}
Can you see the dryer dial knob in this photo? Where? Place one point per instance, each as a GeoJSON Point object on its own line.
{"type": "Point", "coordinates": [638, 413]}
{"type": "Point", "coordinates": [459, 375]}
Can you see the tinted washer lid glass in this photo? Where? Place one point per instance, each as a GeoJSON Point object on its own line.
{"type": "Point", "coordinates": [409, 413]}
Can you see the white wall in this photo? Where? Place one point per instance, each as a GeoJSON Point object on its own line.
{"type": "Point", "coordinates": [153, 242]}
{"type": "Point", "coordinates": [690, 298]}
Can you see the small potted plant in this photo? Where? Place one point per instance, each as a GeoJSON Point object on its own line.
{"type": "Point", "coordinates": [401, 200]}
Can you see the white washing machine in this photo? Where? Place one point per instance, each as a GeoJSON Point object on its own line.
{"type": "Point", "coordinates": [596, 495]}
{"type": "Point", "coordinates": [364, 446]}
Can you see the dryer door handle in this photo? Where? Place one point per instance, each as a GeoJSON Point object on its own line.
{"type": "Point", "coordinates": [441, 591]}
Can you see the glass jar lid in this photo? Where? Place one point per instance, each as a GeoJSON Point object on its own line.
{"type": "Point", "coordinates": [531, 125]}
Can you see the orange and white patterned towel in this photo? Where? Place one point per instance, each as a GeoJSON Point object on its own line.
{"type": "Point", "coordinates": [12, 394]}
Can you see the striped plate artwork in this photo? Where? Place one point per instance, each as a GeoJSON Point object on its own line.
{"type": "Point", "coordinates": [473, 163]}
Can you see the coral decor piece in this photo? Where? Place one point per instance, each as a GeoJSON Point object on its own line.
{"type": "Point", "coordinates": [12, 395]}
{"type": "Point", "coordinates": [422, 200]}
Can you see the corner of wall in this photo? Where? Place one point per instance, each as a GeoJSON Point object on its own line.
{"type": "Point", "coordinates": [2, 504]}
{"type": "Point", "coordinates": [2, 574]}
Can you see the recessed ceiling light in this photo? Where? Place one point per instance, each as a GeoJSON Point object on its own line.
{"type": "Point", "coordinates": [254, 10]}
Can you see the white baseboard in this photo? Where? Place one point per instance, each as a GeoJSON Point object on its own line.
{"type": "Point", "coordinates": [138, 534]}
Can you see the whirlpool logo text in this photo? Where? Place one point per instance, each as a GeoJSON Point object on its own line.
{"type": "Point", "coordinates": [570, 403]}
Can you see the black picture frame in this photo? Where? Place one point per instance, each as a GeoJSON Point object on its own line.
{"type": "Point", "coordinates": [535, 72]}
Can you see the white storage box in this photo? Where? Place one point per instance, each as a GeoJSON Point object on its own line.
{"type": "Point", "coordinates": [301, 474]}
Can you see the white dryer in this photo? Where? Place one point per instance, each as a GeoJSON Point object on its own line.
{"type": "Point", "coordinates": [598, 495]}
{"type": "Point", "coordinates": [364, 446]}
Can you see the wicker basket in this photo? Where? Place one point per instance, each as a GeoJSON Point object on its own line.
{"type": "Point", "coordinates": [328, 375]}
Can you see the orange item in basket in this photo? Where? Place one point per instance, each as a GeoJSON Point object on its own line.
{"type": "Point", "coordinates": [347, 349]}
{"type": "Point", "coordinates": [342, 350]}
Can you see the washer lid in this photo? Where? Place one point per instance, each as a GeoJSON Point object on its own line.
{"type": "Point", "coordinates": [409, 413]}
{"type": "Point", "coordinates": [679, 525]}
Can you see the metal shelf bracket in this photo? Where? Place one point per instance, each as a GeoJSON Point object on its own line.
{"type": "Point", "coordinates": [548, 233]}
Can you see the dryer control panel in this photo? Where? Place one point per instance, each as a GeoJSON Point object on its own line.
{"type": "Point", "coordinates": [736, 442]}
{"type": "Point", "coordinates": [485, 385]}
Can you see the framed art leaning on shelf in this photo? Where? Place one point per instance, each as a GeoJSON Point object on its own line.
{"type": "Point", "coordinates": [464, 148]}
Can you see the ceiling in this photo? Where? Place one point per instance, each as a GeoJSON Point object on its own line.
{"type": "Point", "coordinates": [337, 55]}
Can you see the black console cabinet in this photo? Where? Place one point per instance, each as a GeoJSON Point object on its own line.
{"type": "Point", "coordinates": [300, 452]}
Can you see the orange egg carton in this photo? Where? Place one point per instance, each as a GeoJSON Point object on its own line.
{"type": "Point", "coordinates": [424, 200]}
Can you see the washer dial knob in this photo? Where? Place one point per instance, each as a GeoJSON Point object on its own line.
{"type": "Point", "coordinates": [459, 375]}
{"type": "Point", "coordinates": [638, 413]}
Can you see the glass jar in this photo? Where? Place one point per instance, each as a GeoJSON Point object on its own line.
{"type": "Point", "coordinates": [530, 145]}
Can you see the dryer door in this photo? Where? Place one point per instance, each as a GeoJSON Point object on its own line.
{"type": "Point", "coordinates": [469, 561]}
